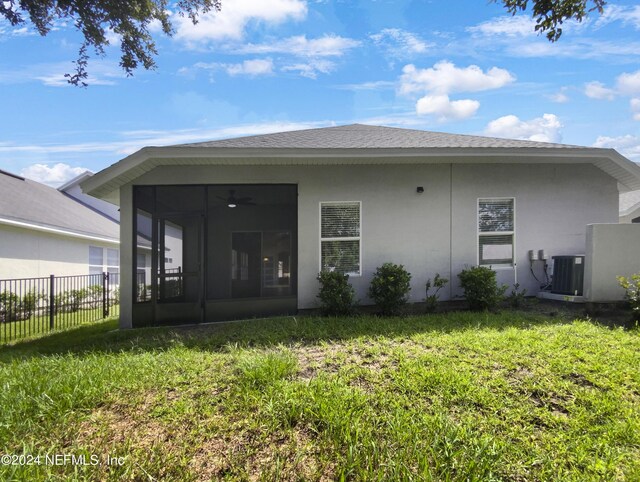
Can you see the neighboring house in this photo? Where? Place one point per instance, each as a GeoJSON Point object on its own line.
{"type": "Point", "coordinates": [630, 207]}
{"type": "Point", "coordinates": [173, 256]}
{"type": "Point", "coordinates": [260, 216]}
{"type": "Point", "coordinates": [44, 231]}
{"type": "Point", "coordinates": [72, 189]}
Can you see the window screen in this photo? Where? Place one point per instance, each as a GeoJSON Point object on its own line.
{"type": "Point", "coordinates": [495, 231]}
{"type": "Point", "coordinates": [340, 237]}
{"type": "Point", "coordinates": [113, 258]}
{"type": "Point", "coordinates": [96, 256]}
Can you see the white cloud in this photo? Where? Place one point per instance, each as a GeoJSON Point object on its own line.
{"type": "Point", "coordinates": [312, 68]}
{"type": "Point", "coordinates": [301, 46]}
{"type": "Point", "coordinates": [559, 97]}
{"type": "Point", "coordinates": [597, 90]}
{"type": "Point", "coordinates": [629, 83]}
{"type": "Point", "coordinates": [400, 43]}
{"type": "Point", "coordinates": [52, 74]}
{"type": "Point", "coordinates": [541, 129]}
{"type": "Point", "coordinates": [54, 175]}
{"type": "Point", "coordinates": [635, 108]}
{"type": "Point", "coordinates": [8, 31]}
{"type": "Point", "coordinates": [59, 80]}
{"type": "Point", "coordinates": [509, 26]}
{"type": "Point", "coordinates": [444, 78]}
{"type": "Point", "coordinates": [249, 68]}
{"type": "Point", "coordinates": [627, 145]}
{"type": "Point", "coordinates": [445, 109]}
{"type": "Point", "coordinates": [131, 141]}
{"type": "Point", "coordinates": [252, 67]}
{"type": "Point", "coordinates": [313, 52]}
{"type": "Point", "coordinates": [232, 20]}
{"type": "Point", "coordinates": [372, 85]}
{"type": "Point", "coordinates": [572, 46]}
{"type": "Point", "coordinates": [617, 13]}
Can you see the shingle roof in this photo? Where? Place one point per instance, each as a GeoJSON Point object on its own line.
{"type": "Point", "coordinates": [628, 200]}
{"type": "Point", "coordinates": [359, 136]}
{"type": "Point", "coordinates": [33, 203]}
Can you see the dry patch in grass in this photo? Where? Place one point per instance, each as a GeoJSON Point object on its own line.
{"type": "Point", "coordinates": [332, 357]}
{"type": "Point", "coordinates": [217, 450]}
{"type": "Point", "coordinates": [288, 456]}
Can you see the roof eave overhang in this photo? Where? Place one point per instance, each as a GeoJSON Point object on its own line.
{"type": "Point", "coordinates": [128, 169]}
{"type": "Point", "coordinates": [630, 210]}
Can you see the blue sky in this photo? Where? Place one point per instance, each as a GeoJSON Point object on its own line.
{"type": "Point", "coordinates": [270, 65]}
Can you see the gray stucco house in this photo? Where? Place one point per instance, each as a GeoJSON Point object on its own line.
{"type": "Point", "coordinates": [260, 216]}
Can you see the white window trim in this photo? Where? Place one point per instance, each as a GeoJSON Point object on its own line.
{"type": "Point", "coordinates": [496, 267]}
{"type": "Point", "coordinates": [358, 238]}
{"type": "Point", "coordinates": [105, 266]}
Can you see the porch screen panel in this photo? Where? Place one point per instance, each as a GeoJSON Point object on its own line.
{"type": "Point", "coordinates": [340, 240]}
{"type": "Point", "coordinates": [496, 230]}
{"type": "Point", "coordinates": [142, 293]}
{"type": "Point", "coordinates": [144, 206]}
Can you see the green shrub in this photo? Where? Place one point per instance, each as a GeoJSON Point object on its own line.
{"type": "Point", "coordinates": [390, 288]}
{"type": "Point", "coordinates": [94, 296]}
{"type": "Point", "coordinates": [15, 308]}
{"type": "Point", "coordinates": [632, 288]}
{"type": "Point", "coordinates": [481, 288]}
{"type": "Point", "coordinates": [115, 295]}
{"type": "Point", "coordinates": [336, 294]}
{"type": "Point", "coordinates": [70, 301]}
{"type": "Point", "coordinates": [431, 300]}
{"type": "Point", "coordinates": [516, 297]}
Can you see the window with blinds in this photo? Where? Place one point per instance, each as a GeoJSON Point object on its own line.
{"type": "Point", "coordinates": [496, 231]}
{"type": "Point", "coordinates": [340, 237]}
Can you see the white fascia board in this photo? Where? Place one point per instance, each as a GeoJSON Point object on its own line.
{"type": "Point", "coordinates": [76, 180]}
{"type": "Point", "coordinates": [91, 185]}
{"type": "Point", "coordinates": [59, 231]}
{"type": "Point", "coordinates": [630, 210]}
{"type": "Point", "coordinates": [144, 160]}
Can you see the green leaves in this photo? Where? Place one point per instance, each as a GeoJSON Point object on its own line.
{"type": "Point", "coordinates": [632, 288]}
{"type": "Point", "coordinates": [551, 14]}
{"type": "Point", "coordinates": [431, 300]}
{"type": "Point", "coordinates": [336, 294]}
{"type": "Point", "coordinates": [130, 21]}
{"type": "Point", "coordinates": [480, 288]}
{"type": "Point", "coordinates": [390, 288]}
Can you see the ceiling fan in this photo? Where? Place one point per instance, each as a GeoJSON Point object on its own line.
{"type": "Point", "coordinates": [232, 201]}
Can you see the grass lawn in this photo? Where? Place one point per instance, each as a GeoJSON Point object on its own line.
{"type": "Point", "coordinates": [458, 396]}
{"type": "Point", "coordinates": [39, 324]}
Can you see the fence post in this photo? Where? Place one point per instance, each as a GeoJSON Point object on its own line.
{"type": "Point", "coordinates": [52, 301]}
{"type": "Point", "coordinates": [105, 298]}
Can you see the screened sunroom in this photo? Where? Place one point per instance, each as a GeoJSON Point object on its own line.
{"type": "Point", "coordinates": [218, 252]}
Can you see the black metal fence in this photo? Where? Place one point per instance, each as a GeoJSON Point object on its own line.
{"type": "Point", "coordinates": [32, 306]}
